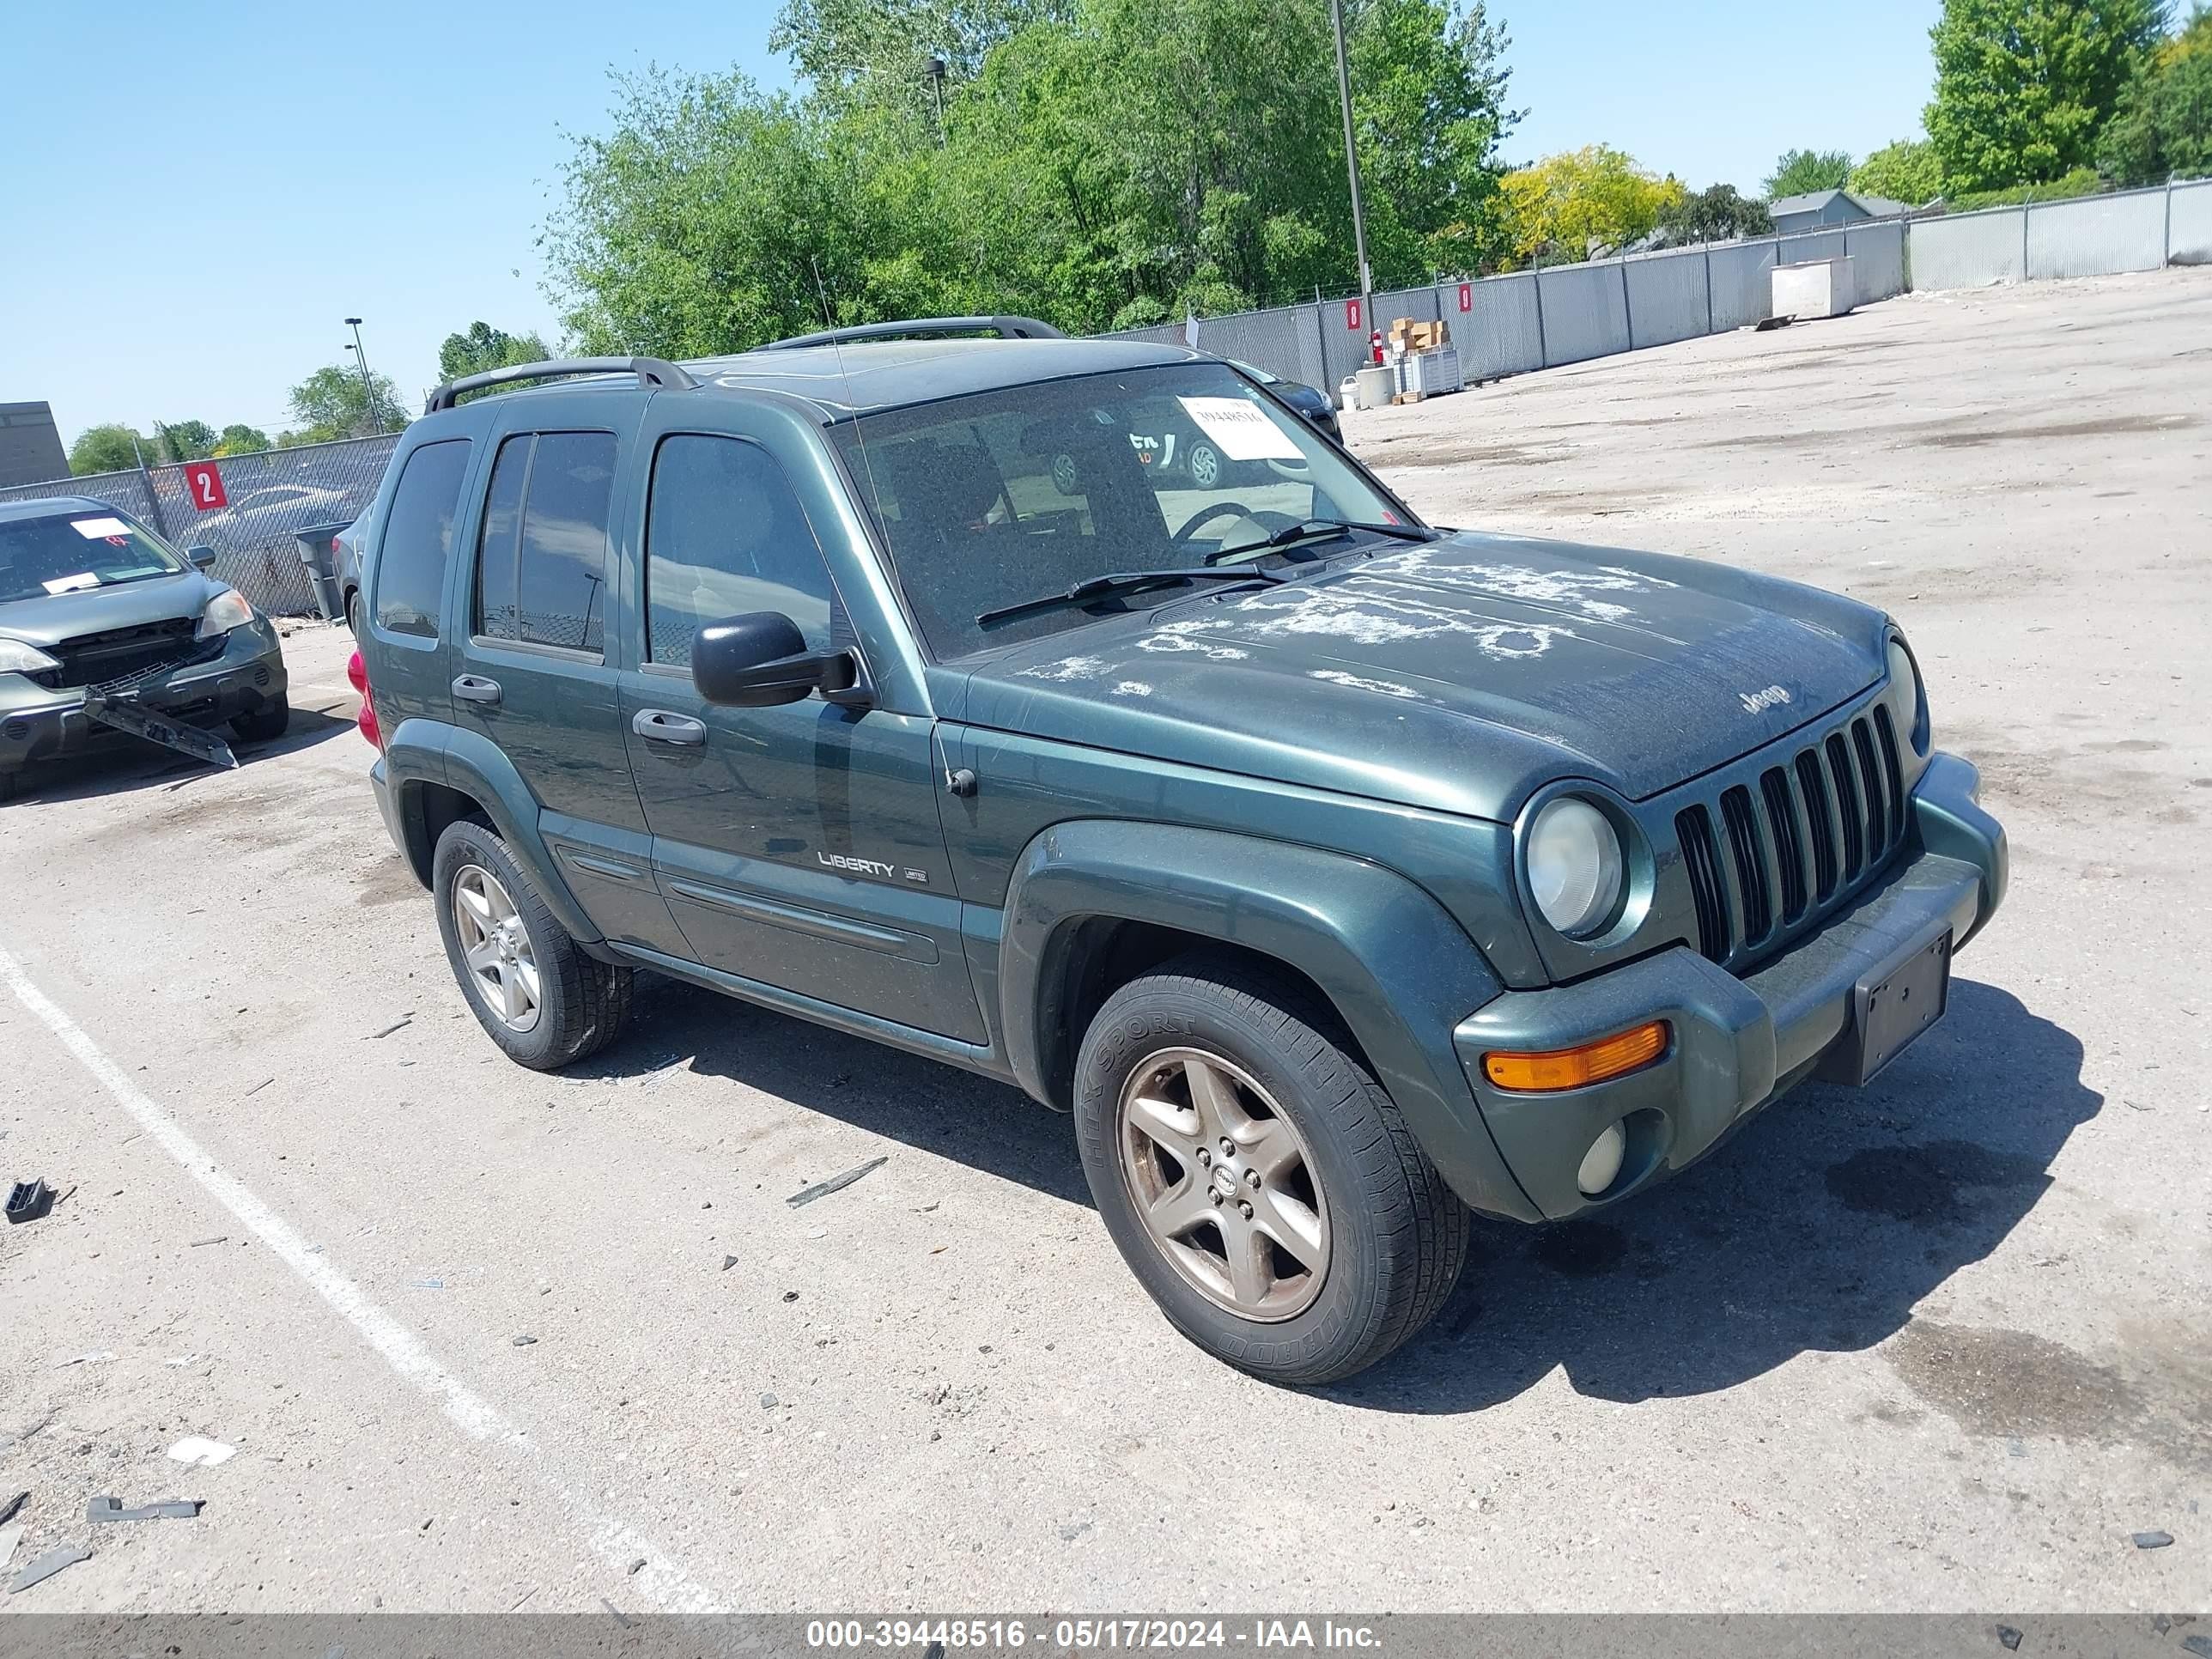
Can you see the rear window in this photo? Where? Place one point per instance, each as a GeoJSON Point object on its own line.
{"type": "Point", "coordinates": [542, 561]}
{"type": "Point", "coordinates": [418, 539]}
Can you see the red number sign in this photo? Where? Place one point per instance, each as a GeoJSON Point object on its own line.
{"type": "Point", "coordinates": [1467, 297]}
{"type": "Point", "coordinates": [1351, 315]}
{"type": "Point", "coordinates": [205, 480]}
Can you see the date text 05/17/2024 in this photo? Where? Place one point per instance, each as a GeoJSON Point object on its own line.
{"type": "Point", "coordinates": [1088, 1635]}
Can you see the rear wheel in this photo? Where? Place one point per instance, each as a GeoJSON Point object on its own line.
{"type": "Point", "coordinates": [353, 613]}
{"type": "Point", "coordinates": [527, 981]}
{"type": "Point", "coordinates": [1256, 1176]}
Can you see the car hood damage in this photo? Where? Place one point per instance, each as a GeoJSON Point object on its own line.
{"type": "Point", "coordinates": [1458, 675]}
{"type": "Point", "coordinates": [48, 619]}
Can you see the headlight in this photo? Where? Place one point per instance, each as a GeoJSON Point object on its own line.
{"type": "Point", "coordinates": [1904, 672]}
{"type": "Point", "coordinates": [17, 658]}
{"type": "Point", "coordinates": [1575, 870]}
{"type": "Point", "coordinates": [225, 611]}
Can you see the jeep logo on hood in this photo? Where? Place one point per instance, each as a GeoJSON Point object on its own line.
{"type": "Point", "coordinates": [1753, 702]}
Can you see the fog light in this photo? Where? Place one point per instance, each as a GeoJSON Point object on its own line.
{"type": "Point", "coordinates": [1553, 1069]}
{"type": "Point", "coordinates": [1602, 1164]}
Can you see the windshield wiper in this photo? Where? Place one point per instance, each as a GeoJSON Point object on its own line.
{"type": "Point", "coordinates": [1310, 529]}
{"type": "Point", "coordinates": [1120, 581]}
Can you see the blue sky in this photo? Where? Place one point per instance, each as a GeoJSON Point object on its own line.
{"type": "Point", "coordinates": [198, 195]}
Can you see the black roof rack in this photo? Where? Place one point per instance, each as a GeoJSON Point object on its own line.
{"type": "Point", "coordinates": [650, 372]}
{"type": "Point", "coordinates": [1006, 328]}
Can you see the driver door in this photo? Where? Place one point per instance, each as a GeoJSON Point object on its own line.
{"type": "Point", "coordinates": [798, 845]}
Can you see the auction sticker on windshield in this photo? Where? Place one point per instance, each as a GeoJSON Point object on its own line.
{"type": "Point", "coordinates": [1242, 430]}
{"type": "Point", "coordinates": [93, 529]}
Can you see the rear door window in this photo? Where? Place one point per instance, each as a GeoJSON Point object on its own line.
{"type": "Point", "coordinates": [418, 539]}
{"type": "Point", "coordinates": [542, 560]}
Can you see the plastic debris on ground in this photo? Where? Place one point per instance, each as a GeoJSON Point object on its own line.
{"type": "Point", "coordinates": [201, 1452]}
{"type": "Point", "coordinates": [28, 1201]}
{"type": "Point", "coordinates": [44, 1567]}
{"type": "Point", "coordinates": [167, 1509]}
{"type": "Point", "coordinates": [837, 1184]}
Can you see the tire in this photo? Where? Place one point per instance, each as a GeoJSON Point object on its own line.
{"type": "Point", "coordinates": [9, 782]}
{"type": "Point", "coordinates": [581, 1004]}
{"type": "Point", "coordinates": [265, 724]}
{"type": "Point", "coordinates": [1206, 469]}
{"type": "Point", "coordinates": [1390, 1236]}
{"type": "Point", "coordinates": [1065, 477]}
{"type": "Point", "coordinates": [353, 613]}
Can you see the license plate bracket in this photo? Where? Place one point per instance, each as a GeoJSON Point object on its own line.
{"type": "Point", "coordinates": [1890, 1011]}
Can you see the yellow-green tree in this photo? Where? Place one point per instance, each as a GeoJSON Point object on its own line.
{"type": "Point", "coordinates": [1583, 201]}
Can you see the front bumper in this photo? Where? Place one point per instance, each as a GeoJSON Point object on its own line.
{"type": "Point", "coordinates": [37, 724]}
{"type": "Point", "coordinates": [1737, 1043]}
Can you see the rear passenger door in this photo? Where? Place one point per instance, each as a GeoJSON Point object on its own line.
{"type": "Point", "coordinates": [534, 675]}
{"type": "Point", "coordinates": [797, 846]}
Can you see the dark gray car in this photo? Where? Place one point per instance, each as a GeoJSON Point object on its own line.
{"type": "Point", "coordinates": [93, 605]}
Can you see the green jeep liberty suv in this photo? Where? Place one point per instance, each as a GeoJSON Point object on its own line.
{"type": "Point", "coordinates": [1339, 874]}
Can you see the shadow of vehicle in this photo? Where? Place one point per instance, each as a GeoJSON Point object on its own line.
{"type": "Point", "coordinates": [1820, 1227]}
{"type": "Point", "coordinates": [931, 1107]}
{"type": "Point", "coordinates": [127, 763]}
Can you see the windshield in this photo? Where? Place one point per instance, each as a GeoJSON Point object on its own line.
{"type": "Point", "coordinates": [990, 501]}
{"type": "Point", "coordinates": [96, 548]}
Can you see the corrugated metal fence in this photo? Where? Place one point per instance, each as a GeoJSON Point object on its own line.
{"type": "Point", "coordinates": [2085, 236]}
{"type": "Point", "coordinates": [270, 496]}
{"type": "Point", "coordinates": [1502, 325]}
{"type": "Point", "coordinates": [1565, 314]}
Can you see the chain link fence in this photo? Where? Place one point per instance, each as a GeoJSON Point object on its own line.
{"type": "Point", "coordinates": [1528, 320]}
{"type": "Point", "coordinates": [269, 498]}
{"type": "Point", "coordinates": [2083, 236]}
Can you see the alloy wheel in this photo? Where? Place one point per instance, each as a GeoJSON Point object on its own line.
{"type": "Point", "coordinates": [1224, 1184]}
{"type": "Point", "coordinates": [495, 946]}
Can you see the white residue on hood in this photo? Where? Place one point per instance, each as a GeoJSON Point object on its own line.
{"type": "Point", "coordinates": [1354, 682]}
{"type": "Point", "coordinates": [1068, 668]}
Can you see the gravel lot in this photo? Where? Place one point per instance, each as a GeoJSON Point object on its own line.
{"type": "Point", "coordinates": [1945, 1343]}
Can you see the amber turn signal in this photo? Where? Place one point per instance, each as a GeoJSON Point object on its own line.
{"type": "Point", "coordinates": [1579, 1066]}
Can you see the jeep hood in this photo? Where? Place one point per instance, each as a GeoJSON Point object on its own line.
{"type": "Point", "coordinates": [50, 618]}
{"type": "Point", "coordinates": [1458, 675]}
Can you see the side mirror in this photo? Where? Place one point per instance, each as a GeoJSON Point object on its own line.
{"type": "Point", "coordinates": [200, 558]}
{"type": "Point", "coordinates": [760, 659]}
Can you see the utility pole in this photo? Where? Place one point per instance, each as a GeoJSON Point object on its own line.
{"type": "Point", "coordinates": [1352, 167]}
{"type": "Point", "coordinates": [367, 386]}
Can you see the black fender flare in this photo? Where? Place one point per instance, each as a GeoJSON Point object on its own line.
{"type": "Point", "coordinates": [473, 764]}
{"type": "Point", "coordinates": [1399, 971]}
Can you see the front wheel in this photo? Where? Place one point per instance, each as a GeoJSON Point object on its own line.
{"type": "Point", "coordinates": [1207, 469]}
{"type": "Point", "coordinates": [1256, 1176]}
{"type": "Point", "coordinates": [527, 981]}
{"type": "Point", "coordinates": [265, 724]}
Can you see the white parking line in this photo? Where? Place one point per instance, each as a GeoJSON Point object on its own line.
{"type": "Point", "coordinates": [610, 1538]}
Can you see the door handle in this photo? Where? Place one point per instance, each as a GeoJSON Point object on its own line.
{"type": "Point", "coordinates": [475, 688]}
{"type": "Point", "coordinates": [659, 726]}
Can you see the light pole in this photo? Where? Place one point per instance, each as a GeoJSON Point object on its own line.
{"type": "Point", "coordinates": [367, 386]}
{"type": "Point", "coordinates": [1352, 167]}
{"type": "Point", "coordinates": [935, 66]}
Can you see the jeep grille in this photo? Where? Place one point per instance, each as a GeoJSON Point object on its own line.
{"type": "Point", "coordinates": [1762, 863]}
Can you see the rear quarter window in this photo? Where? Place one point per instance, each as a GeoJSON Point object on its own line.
{"type": "Point", "coordinates": [418, 539]}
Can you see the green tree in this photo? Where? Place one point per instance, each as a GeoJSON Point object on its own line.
{"type": "Point", "coordinates": [1584, 202]}
{"type": "Point", "coordinates": [239, 438]}
{"type": "Point", "coordinates": [332, 403]}
{"type": "Point", "coordinates": [1801, 172]}
{"type": "Point", "coordinates": [1715, 214]}
{"type": "Point", "coordinates": [1102, 162]}
{"type": "Point", "coordinates": [482, 347]}
{"type": "Point", "coordinates": [2023, 87]}
{"type": "Point", "coordinates": [2162, 128]}
{"type": "Point", "coordinates": [1908, 171]}
{"type": "Point", "coordinates": [111, 448]}
{"type": "Point", "coordinates": [185, 441]}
